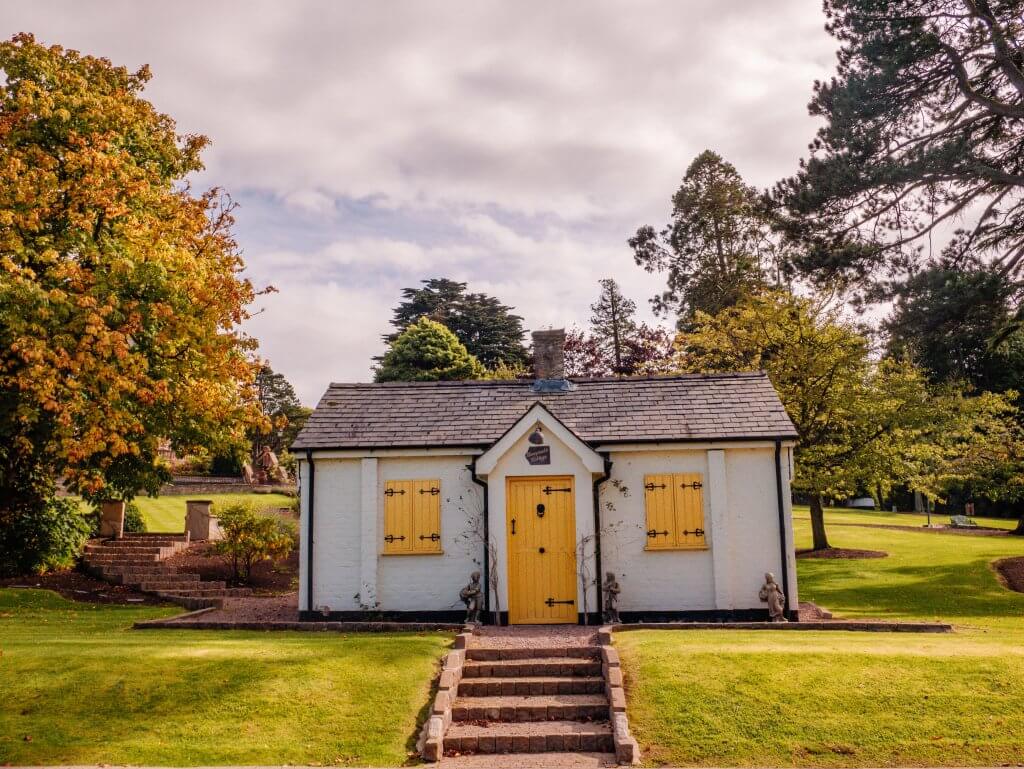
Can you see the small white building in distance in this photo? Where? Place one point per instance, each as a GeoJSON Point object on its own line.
{"type": "Point", "coordinates": [679, 486]}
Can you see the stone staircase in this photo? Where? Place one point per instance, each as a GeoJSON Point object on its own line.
{"type": "Point", "coordinates": [531, 700]}
{"type": "Point", "coordinates": [136, 560]}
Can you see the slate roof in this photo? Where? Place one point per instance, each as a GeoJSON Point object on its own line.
{"type": "Point", "coordinates": [433, 414]}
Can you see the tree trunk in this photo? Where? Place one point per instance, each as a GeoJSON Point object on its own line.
{"type": "Point", "coordinates": [818, 524]}
{"type": "Point", "coordinates": [1019, 531]}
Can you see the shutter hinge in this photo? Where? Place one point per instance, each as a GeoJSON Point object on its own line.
{"type": "Point", "coordinates": [653, 486]}
{"type": "Point", "coordinates": [433, 491]}
{"type": "Point", "coordinates": [392, 538]}
{"type": "Point", "coordinates": [392, 492]}
{"type": "Point", "coordinates": [653, 534]}
{"type": "Point", "coordinates": [433, 537]}
{"type": "Point", "coordinates": [697, 532]}
{"type": "Point", "coordinates": [693, 485]}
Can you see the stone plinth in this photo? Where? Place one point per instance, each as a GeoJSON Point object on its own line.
{"type": "Point", "coordinates": [200, 523]}
{"type": "Point", "coordinates": [112, 518]}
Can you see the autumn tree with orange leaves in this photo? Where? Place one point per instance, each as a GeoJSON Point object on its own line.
{"type": "Point", "coordinates": [121, 295]}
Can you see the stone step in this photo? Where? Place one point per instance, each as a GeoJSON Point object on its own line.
{"type": "Point", "coordinates": [154, 535]}
{"type": "Point", "coordinates": [544, 666]}
{"type": "Point", "coordinates": [120, 551]}
{"type": "Point", "coordinates": [546, 652]}
{"type": "Point", "coordinates": [496, 687]}
{"type": "Point", "coordinates": [163, 586]}
{"type": "Point", "coordinates": [539, 707]}
{"type": "Point", "coordinates": [135, 580]}
{"type": "Point", "coordinates": [98, 559]}
{"type": "Point", "coordinates": [231, 592]}
{"type": "Point", "coordinates": [130, 570]}
{"type": "Point", "coordinates": [148, 542]}
{"type": "Point", "coordinates": [529, 737]}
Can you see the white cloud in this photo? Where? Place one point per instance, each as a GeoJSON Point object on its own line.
{"type": "Point", "coordinates": [512, 145]}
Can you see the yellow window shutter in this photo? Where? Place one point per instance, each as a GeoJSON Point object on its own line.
{"type": "Point", "coordinates": [689, 504]}
{"type": "Point", "coordinates": [398, 502]}
{"type": "Point", "coordinates": [659, 504]}
{"type": "Point", "coordinates": [426, 526]}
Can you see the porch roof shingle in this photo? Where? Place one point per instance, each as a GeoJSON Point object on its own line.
{"type": "Point", "coordinates": [637, 409]}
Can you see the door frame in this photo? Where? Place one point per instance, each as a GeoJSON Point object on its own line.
{"type": "Point", "coordinates": [569, 478]}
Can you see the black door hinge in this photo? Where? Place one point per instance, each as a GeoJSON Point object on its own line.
{"type": "Point", "coordinates": [552, 602]}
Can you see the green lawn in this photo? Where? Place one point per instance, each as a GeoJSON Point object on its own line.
{"type": "Point", "coordinates": [846, 515]}
{"type": "Point", "coordinates": [167, 513]}
{"type": "Point", "coordinates": [80, 687]}
{"type": "Point", "coordinates": [848, 699]}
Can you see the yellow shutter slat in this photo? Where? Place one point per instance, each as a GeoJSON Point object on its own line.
{"type": "Point", "coordinates": [427, 518]}
{"type": "Point", "coordinates": [398, 517]}
{"type": "Point", "coordinates": [689, 505]}
{"type": "Point", "coordinates": [659, 506]}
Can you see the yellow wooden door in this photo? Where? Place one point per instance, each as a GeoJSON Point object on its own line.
{"type": "Point", "coordinates": [541, 536]}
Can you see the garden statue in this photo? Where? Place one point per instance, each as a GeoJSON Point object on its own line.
{"type": "Point", "coordinates": [271, 469]}
{"type": "Point", "coordinates": [470, 596]}
{"type": "Point", "coordinates": [247, 474]}
{"type": "Point", "coordinates": [611, 599]}
{"type": "Point", "coordinates": [772, 595]}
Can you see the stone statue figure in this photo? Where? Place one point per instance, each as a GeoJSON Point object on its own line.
{"type": "Point", "coordinates": [471, 595]}
{"type": "Point", "coordinates": [772, 595]}
{"type": "Point", "coordinates": [247, 474]}
{"type": "Point", "coordinates": [272, 471]}
{"type": "Point", "coordinates": [611, 591]}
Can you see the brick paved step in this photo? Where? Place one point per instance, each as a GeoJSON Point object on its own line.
{"type": "Point", "coordinates": [581, 652]}
{"type": "Point", "coordinates": [542, 707]}
{"type": "Point", "coordinates": [119, 544]}
{"type": "Point", "coordinates": [528, 737]}
{"type": "Point", "coordinates": [496, 687]}
{"type": "Point", "coordinates": [154, 535]}
{"type": "Point", "coordinates": [519, 668]}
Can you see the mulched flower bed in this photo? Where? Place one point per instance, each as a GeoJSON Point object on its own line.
{"type": "Point", "coordinates": [268, 578]}
{"type": "Point", "coordinates": [841, 553]}
{"type": "Point", "coordinates": [77, 586]}
{"type": "Point", "coordinates": [1011, 571]}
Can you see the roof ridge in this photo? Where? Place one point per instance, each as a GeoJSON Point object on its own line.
{"type": "Point", "coordinates": [576, 380]}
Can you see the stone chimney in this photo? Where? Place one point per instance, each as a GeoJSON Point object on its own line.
{"type": "Point", "coordinates": [548, 355]}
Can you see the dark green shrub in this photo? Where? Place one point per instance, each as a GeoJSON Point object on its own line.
{"type": "Point", "coordinates": [133, 520]}
{"type": "Point", "coordinates": [36, 541]}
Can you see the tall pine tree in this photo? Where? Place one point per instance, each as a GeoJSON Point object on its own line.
{"type": "Point", "coordinates": [715, 248]}
{"type": "Point", "coordinates": [612, 324]}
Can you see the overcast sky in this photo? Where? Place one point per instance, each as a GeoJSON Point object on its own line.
{"type": "Point", "coordinates": [511, 145]}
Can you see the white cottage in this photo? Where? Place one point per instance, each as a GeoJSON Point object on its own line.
{"type": "Point", "coordinates": [680, 486]}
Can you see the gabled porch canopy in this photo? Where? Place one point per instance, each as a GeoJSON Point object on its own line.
{"type": "Point", "coordinates": [538, 415]}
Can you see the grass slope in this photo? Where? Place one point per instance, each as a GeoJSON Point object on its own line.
{"type": "Point", "coordinates": [167, 513]}
{"type": "Point", "coordinates": [80, 687]}
{"type": "Point", "coordinates": [848, 699]}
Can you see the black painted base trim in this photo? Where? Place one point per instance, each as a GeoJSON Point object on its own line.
{"type": "Point", "coordinates": [446, 617]}
{"type": "Point", "coordinates": [456, 617]}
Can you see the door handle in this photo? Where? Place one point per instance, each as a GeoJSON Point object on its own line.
{"type": "Point", "coordinates": [513, 525]}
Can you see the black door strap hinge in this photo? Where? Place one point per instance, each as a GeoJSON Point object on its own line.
{"type": "Point", "coordinates": [433, 537]}
{"type": "Point", "coordinates": [392, 492]}
{"type": "Point", "coordinates": [434, 491]}
{"type": "Point", "coordinates": [652, 533]}
{"type": "Point", "coordinates": [393, 538]}
{"type": "Point", "coordinates": [552, 602]}
{"type": "Point", "coordinates": [693, 485]}
{"type": "Point", "coordinates": [697, 532]}
{"type": "Point", "coordinates": [653, 486]}
{"type": "Point", "coordinates": [549, 490]}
